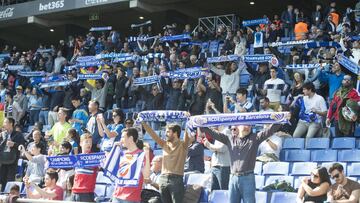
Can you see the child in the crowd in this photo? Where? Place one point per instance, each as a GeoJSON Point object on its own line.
{"type": "Point", "coordinates": [74, 139]}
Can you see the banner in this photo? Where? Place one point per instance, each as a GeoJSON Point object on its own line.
{"type": "Point", "coordinates": [95, 29]}
{"type": "Point", "coordinates": [146, 80]}
{"type": "Point", "coordinates": [162, 116]}
{"type": "Point", "coordinates": [141, 24]}
{"type": "Point", "coordinates": [175, 37]}
{"type": "Point", "coordinates": [247, 23]}
{"type": "Point", "coordinates": [90, 76]}
{"type": "Point", "coordinates": [257, 58]}
{"type": "Point", "coordinates": [348, 64]}
{"type": "Point", "coordinates": [303, 66]}
{"type": "Point", "coordinates": [289, 43]}
{"type": "Point", "coordinates": [31, 73]}
{"type": "Point", "coordinates": [67, 161]}
{"type": "Point", "coordinates": [55, 84]}
{"type": "Point", "coordinates": [124, 170]}
{"type": "Point", "coordinates": [90, 160]}
{"type": "Point", "coordinates": [72, 161]}
{"type": "Point", "coordinates": [187, 73]}
{"type": "Point", "coordinates": [15, 67]}
{"type": "Point", "coordinates": [238, 119]}
{"type": "Point", "coordinates": [223, 58]}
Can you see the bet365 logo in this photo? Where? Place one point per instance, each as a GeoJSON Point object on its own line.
{"type": "Point", "coordinates": [51, 5]}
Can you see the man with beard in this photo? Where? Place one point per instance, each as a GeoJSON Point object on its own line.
{"type": "Point", "coordinates": [344, 108]}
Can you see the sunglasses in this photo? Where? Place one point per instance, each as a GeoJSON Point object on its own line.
{"type": "Point", "coordinates": [335, 176]}
{"type": "Point", "coordinates": [315, 176]}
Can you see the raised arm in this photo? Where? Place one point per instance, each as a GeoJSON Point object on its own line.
{"type": "Point", "coordinates": [217, 136]}
{"type": "Point", "coordinates": [267, 132]}
{"type": "Point", "coordinates": [152, 133]}
{"type": "Point", "coordinates": [217, 70]}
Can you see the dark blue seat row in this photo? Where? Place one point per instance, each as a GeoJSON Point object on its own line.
{"type": "Point", "coordinates": [320, 143]}
{"type": "Point", "coordinates": [323, 155]}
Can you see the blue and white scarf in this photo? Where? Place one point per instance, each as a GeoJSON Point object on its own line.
{"type": "Point", "coordinates": [348, 64]}
{"type": "Point", "coordinates": [124, 170]}
{"type": "Point", "coordinates": [54, 78]}
{"type": "Point", "coordinates": [95, 29]}
{"type": "Point", "coordinates": [4, 56]}
{"type": "Point", "coordinates": [44, 50]}
{"type": "Point", "coordinates": [55, 84]}
{"type": "Point", "coordinates": [289, 43]}
{"type": "Point", "coordinates": [219, 59]}
{"type": "Point", "coordinates": [303, 66]}
{"type": "Point", "coordinates": [15, 67]}
{"type": "Point", "coordinates": [112, 55]}
{"type": "Point", "coordinates": [162, 116]}
{"type": "Point", "coordinates": [257, 58]}
{"type": "Point", "coordinates": [90, 76]}
{"type": "Point", "coordinates": [91, 64]}
{"type": "Point", "coordinates": [86, 58]}
{"type": "Point", "coordinates": [191, 44]}
{"type": "Point", "coordinates": [175, 37]}
{"type": "Point", "coordinates": [237, 119]}
{"type": "Point", "coordinates": [72, 161]}
{"type": "Point", "coordinates": [146, 80]}
{"type": "Point", "coordinates": [247, 23]}
{"type": "Point", "coordinates": [31, 73]}
{"type": "Point", "coordinates": [141, 38]}
{"type": "Point", "coordinates": [141, 24]}
{"type": "Point", "coordinates": [317, 44]}
{"type": "Point", "coordinates": [187, 73]}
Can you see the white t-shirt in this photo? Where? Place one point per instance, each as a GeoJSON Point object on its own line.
{"type": "Point", "coordinates": [264, 147]}
{"type": "Point", "coordinates": [258, 39]}
{"type": "Point", "coordinates": [57, 64]}
{"type": "Point", "coordinates": [317, 103]}
{"type": "Point", "coordinates": [274, 89]}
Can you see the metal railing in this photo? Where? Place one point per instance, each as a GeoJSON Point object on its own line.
{"type": "Point", "coordinates": [211, 23]}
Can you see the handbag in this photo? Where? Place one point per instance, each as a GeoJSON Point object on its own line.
{"type": "Point", "coordinates": [7, 157]}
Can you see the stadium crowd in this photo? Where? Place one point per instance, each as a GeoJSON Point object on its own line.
{"type": "Point", "coordinates": [85, 116]}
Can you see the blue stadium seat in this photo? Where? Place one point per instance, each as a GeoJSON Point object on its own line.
{"type": "Point", "coordinates": [297, 155]}
{"type": "Point", "coordinates": [219, 196]}
{"type": "Point", "coordinates": [204, 196]}
{"type": "Point", "coordinates": [354, 170]}
{"type": "Point", "coordinates": [324, 155]}
{"type": "Point", "coordinates": [259, 181]}
{"type": "Point", "coordinates": [201, 179]}
{"type": "Point", "coordinates": [283, 197]}
{"type": "Point", "coordinates": [343, 143]}
{"type": "Point", "coordinates": [260, 196]}
{"type": "Point", "coordinates": [303, 168]}
{"type": "Point", "coordinates": [349, 155]}
{"type": "Point", "coordinates": [276, 168]}
{"type": "Point", "coordinates": [293, 143]}
{"type": "Point", "coordinates": [317, 143]}
{"type": "Point", "coordinates": [272, 179]}
{"type": "Point", "coordinates": [357, 143]}
{"type": "Point", "coordinates": [258, 168]}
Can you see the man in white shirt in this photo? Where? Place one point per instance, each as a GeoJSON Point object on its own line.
{"type": "Point", "coordinates": [274, 88]}
{"type": "Point", "coordinates": [312, 110]}
{"type": "Point", "coordinates": [58, 62]}
{"type": "Point", "coordinates": [270, 149]}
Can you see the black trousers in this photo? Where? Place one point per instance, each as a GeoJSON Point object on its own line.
{"type": "Point", "coordinates": [7, 173]}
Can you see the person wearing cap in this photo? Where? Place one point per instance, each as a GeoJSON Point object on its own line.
{"type": "Point", "coordinates": [344, 108]}
{"type": "Point", "coordinates": [20, 104]}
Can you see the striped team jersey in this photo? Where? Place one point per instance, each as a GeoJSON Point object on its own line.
{"type": "Point", "coordinates": [84, 180]}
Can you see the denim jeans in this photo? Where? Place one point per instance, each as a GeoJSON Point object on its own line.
{"type": "Point", "coordinates": [220, 177]}
{"type": "Point", "coordinates": [242, 188]}
{"type": "Point", "coordinates": [34, 116]}
{"type": "Point", "coordinates": [116, 200]}
{"type": "Point", "coordinates": [171, 188]}
{"type": "Point", "coordinates": [82, 197]}
{"type": "Point", "coordinates": [43, 117]}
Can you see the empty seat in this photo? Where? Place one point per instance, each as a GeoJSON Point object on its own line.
{"type": "Point", "coordinates": [276, 168]}
{"type": "Point", "coordinates": [317, 143]}
{"type": "Point", "coordinates": [353, 169]}
{"type": "Point", "coordinates": [303, 168]}
{"type": "Point", "coordinates": [272, 179]}
{"type": "Point", "coordinates": [326, 155]}
{"type": "Point", "coordinates": [277, 197]}
{"type": "Point", "coordinates": [219, 196]}
{"type": "Point", "coordinates": [294, 143]}
{"type": "Point", "coordinates": [343, 143]}
{"type": "Point", "coordinates": [259, 181]}
{"type": "Point", "coordinates": [199, 179]}
{"type": "Point", "coordinates": [258, 168]}
{"type": "Point", "coordinates": [349, 155]}
{"type": "Point", "coordinates": [260, 196]}
{"type": "Point", "coordinates": [297, 155]}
